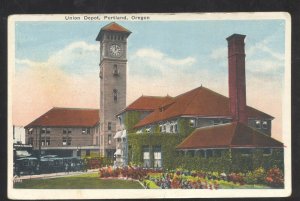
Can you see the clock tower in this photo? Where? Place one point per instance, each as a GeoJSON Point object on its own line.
{"type": "Point", "coordinates": [113, 68]}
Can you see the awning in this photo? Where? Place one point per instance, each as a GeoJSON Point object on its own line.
{"type": "Point", "coordinates": [124, 134]}
{"type": "Point", "coordinates": [118, 152]}
{"type": "Point", "coordinates": [118, 134]}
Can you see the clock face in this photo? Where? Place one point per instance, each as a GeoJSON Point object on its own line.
{"type": "Point", "coordinates": [115, 50]}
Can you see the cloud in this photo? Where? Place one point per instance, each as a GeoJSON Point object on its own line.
{"type": "Point", "coordinates": [39, 86]}
{"type": "Point", "coordinates": [154, 63]}
{"type": "Point", "coordinates": [219, 54]}
{"type": "Point", "coordinates": [264, 65]}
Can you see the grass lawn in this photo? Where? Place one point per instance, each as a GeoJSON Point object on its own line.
{"type": "Point", "coordinates": [84, 181]}
{"type": "Point", "coordinates": [231, 185]}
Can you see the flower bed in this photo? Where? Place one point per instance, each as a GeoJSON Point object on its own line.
{"type": "Point", "coordinates": [126, 172]}
{"type": "Point", "coordinates": [183, 179]}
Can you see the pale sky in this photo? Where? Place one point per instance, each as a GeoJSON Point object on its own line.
{"type": "Point", "coordinates": [57, 63]}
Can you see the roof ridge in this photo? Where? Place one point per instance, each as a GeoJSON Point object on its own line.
{"type": "Point", "coordinates": [74, 108]}
{"type": "Point", "coordinates": [156, 96]}
{"type": "Point", "coordinates": [187, 92]}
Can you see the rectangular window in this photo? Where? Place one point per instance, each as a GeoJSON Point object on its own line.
{"type": "Point", "coordinates": [43, 130]}
{"type": "Point", "coordinates": [85, 131]}
{"type": "Point", "coordinates": [48, 130]}
{"type": "Point", "coordinates": [67, 130]}
{"type": "Point", "coordinates": [200, 153]}
{"type": "Point", "coordinates": [109, 139]}
{"type": "Point", "coordinates": [175, 128]}
{"type": "Point", "coordinates": [157, 156]}
{"type": "Point", "coordinates": [69, 140]}
{"type": "Point", "coordinates": [209, 153]}
{"type": "Point", "coordinates": [64, 141]}
{"type": "Point", "coordinates": [217, 153]}
{"type": "Point", "coordinates": [160, 128]}
{"type": "Point", "coordinates": [109, 126]}
{"type": "Point", "coordinates": [267, 151]}
{"type": "Point", "coordinates": [30, 141]}
{"type": "Point", "coordinates": [47, 141]}
{"type": "Point", "coordinates": [245, 152]}
{"type": "Point", "coordinates": [43, 141]}
{"type": "Point", "coordinates": [146, 156]}
{"type": "Point", "coordinates": [171, 129]}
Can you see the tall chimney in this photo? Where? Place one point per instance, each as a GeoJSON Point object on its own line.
{"type": "Point", "coordinates": [237, 79]}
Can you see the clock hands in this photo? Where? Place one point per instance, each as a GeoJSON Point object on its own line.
{"type": "Point", "coordinates": [115, 50]}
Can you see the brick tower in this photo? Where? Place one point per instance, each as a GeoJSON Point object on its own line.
{"type": "Point", "coordinates": [237, 79]}
{"type": "Point", "coordinates": [113, 68]}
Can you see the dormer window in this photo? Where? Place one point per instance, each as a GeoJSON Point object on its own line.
{"type": "Point", "coordinates": [217, 121]}
{"type": "Point", "coordinates": [265, 125]}
{"type": "Point", "coordinates": [116, 70]}
{"type": "Point", "coordinates": [192, 123]}
{"type": "Point", "coordinates": [148, 130]}
{"type": "Point", "coordinates": [258, 124]}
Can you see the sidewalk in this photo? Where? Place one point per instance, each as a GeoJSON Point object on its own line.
{"type": "Point", "coordinates": [55, 175]}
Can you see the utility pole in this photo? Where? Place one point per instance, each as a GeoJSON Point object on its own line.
{"type": "Point", "coordinates": [40, 151]}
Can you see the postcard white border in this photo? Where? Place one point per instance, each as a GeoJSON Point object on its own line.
{"type": "Point", "coordinates": [151, 193]}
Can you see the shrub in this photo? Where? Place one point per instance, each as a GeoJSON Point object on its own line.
{"type": "Point", "coordinates": [250, 178]}
{"type": "Point", "coordinates": [274, 177]}
{"type": "Point", "coordinates": [260, 175]}
{"type": "Point", "coordinates": [236, 178]}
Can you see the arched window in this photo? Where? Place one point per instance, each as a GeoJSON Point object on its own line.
{"type": "Point", "coordinates": [115, 94]}
{"type": "Point", "coordinates": [115, 70]}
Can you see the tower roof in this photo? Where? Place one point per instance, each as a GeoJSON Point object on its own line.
{"type": "Point", "coordinates": [112, 27]}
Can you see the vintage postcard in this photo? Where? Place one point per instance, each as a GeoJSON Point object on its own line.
{"type": "Point", "coordinates": [185, 105]}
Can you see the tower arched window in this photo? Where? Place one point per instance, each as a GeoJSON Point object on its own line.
{"type": "Point", "coordinates": [115, 94]}
{"type": "Point", "coordinates": [115, 70]}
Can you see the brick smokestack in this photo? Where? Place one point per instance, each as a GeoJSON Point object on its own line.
{"type": "Point", "coordinates": [237, 79]}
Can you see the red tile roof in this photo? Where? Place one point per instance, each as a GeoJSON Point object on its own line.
{"type": "Point", "coordinates": [114, 27]}
{"type": "Point", "coordinates": [57, 117]}
{"type": "Point", "coordinates": [197, 102]}
{"type": "Point", "coordinates": [148, 103]}
{"type": "Point", "coordinates": [232, 135]}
